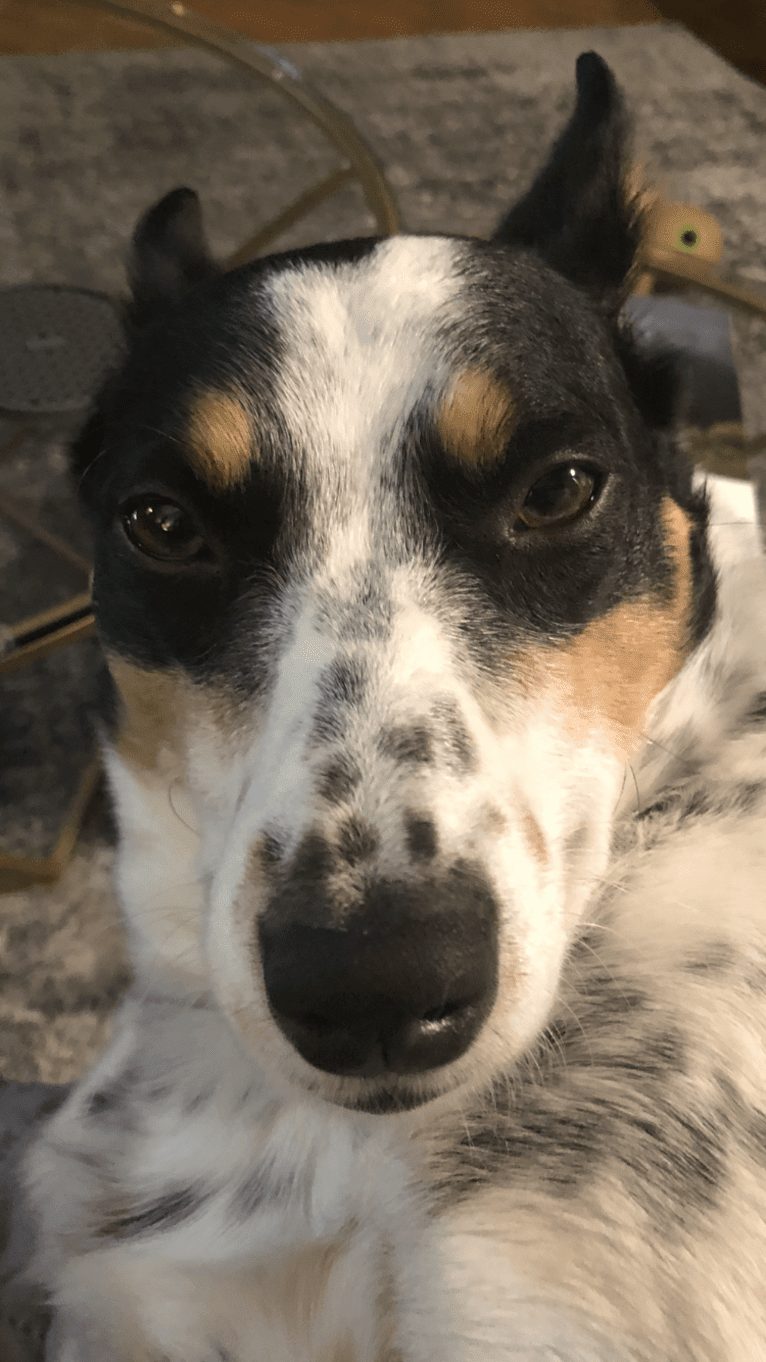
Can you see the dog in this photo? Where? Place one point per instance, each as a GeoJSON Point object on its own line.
{"type": "Point", "coordinates": [436, 733]}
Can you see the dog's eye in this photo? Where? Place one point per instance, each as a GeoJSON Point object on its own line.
{"type": "Point", "coordinates": [163, 530]}
{"type": "Point", "coordinates": [558, 497]}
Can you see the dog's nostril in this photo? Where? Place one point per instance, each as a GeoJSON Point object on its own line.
{"type": "Point", "coordinates": [382, 1037]}
{"type": "Point", "coordinates": [439, 1014]}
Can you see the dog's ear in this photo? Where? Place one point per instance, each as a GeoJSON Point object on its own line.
{"type": "Point", "coordinates": [170, 254]}
{"type": "Point", "coordinates": [578, 214]}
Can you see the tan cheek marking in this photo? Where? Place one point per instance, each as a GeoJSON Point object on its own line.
{"type": "Point", "coordinates": [152, 704]}
{"type": "Point", "coordinates": [477, 418]}
{"type": "Point", "coordinates": [220, 440]}
{"type": "Point", "coordinates": [160, 711]}
{"type": "Point", "coordinates": [678, 529]}
{"type": "Point", "coordinates": [607, 678]}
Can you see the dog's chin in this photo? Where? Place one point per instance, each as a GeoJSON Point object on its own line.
{"type": "Point", "coordinates": [393, 1097]}
{"type": "Point", "coordinates": [392, 1101]}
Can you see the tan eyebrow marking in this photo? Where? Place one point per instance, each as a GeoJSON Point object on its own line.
{"type": "Point", "coordinates": [220, 439]}
{"type": "Point", "coordinates": [477, 418]}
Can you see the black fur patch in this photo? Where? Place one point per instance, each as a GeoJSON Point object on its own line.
{"type": "Point", "coordinates": [338, 780]}
{"type": "Point", "coordinates": [407, 745]}
{"type": "Point", "coordinates": [576, 214]}
{"type": "Point", "coordinates": [368, 616]}
{"type": "Point", "coordinates": [158, 1091]}
{"type": "Point", "coordinates": [165, 1213]}
{"type": "Point", "coordinates": [745, 1122]}
{"type": "Point", "coordinates": [198, 1100]}
{"type": "Point", "coordinates": [756, 715]}
{"type": "Point", "coordinates": [116, 1096]}
{"type": "Point", "coordinates": [717, 957]}
{"type": "Point", "coordinates": [314, 858]}
{"type": "Point", "coordinates": [341, 688]}
{"type": "Point", "coordinates": [271, 852]}
{"type": "Point", "coordinates": [357, 841]}
{"type": "Point", "coordinates": [549, 1128]}
{"type": "Point", "coordinates": [689, 801]}
{"type": "Point", "coordinates": [170, 255]}
{"type": "Point", "coordinates": [108, 1099]}
{"type": "Point", "coordinates": [741, 798]}
{"type": "Point", "coordinates": [249, 1196]}
{"type": "Point", "coordinates": [421, 836]}
{"type": "Point", "coordinates": [604, 1088]}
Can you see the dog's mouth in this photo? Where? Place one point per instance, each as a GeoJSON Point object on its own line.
{"type": "Point", "coordinates": [389, 1101]}
{"type": "Point", "coordinates": [388, 1095]}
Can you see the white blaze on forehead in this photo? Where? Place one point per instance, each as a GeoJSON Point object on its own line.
{"type": "Point", "coordinates": [284, 787]}
{"type": "Point", "coordinates": [361, 345]}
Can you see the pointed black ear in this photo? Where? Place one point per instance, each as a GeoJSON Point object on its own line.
{"type": "Point", "coordinates": [170, 254]}
{"type": "Point", "coordinates": [578, 214]}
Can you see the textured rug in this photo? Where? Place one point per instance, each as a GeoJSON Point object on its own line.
{"type": "Point", "coordinates": [87, 142]}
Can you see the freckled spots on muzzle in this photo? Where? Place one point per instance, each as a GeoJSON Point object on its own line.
{"type": "Point", "coordinates": [421, 836]}
{"type": "Point", "coordinates": [342, 688]}
{"type": "Point", "coordinates": [443, 740]}
{"type": "Point", "coordinates": [407, 745]}
{"type": "Point", "coordinates": [338, 780]}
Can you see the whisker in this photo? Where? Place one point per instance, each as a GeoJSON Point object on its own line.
{"type": "Point", "coordinates": [175, 784]}
{"type": "Point", "coordinates": [635, 782]}
{"type": "Point", "coordinates": [675, 755]}
{"type": "Point", "coordinates": [102, 453]}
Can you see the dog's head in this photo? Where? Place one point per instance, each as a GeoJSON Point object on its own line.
{"type": "Point", "coordinates": [393, 557]}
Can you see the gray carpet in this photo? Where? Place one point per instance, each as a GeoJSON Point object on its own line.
{"type": "Point", "coordinates": [86, 142]}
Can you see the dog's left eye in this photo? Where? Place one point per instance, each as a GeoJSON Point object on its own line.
{"type": "Point", "coordinates": [163, 530]}
{"type": "Point", "coordinates": [559, 497]}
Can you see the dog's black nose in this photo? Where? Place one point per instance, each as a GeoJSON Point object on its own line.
{"type": "Point", "coordinates": [402, 986]}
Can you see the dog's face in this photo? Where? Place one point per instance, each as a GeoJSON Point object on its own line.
{"type": "Point", "coordinates": [390, 568]}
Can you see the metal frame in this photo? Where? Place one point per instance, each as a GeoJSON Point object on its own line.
{"type": "Point", "coordinates": [362, 164]}
{"type": "Point", "coordinates": [39, 635]}
{"type": "Point", "coordinates": [22, 872]}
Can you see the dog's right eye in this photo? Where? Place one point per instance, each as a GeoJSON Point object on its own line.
{"type": "Point", "coordinates": [163, 530]}
{"type": "Point", "coordinates": [559, 497]}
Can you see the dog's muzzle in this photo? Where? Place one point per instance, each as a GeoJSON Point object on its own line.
{"type": "Point", "coordinates": [402, 985]}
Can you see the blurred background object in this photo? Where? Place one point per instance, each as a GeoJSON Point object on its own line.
{"type": "Point", "coordinates": [735, 28]}
{"type": "Point", "coordinates": [28, 26]}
